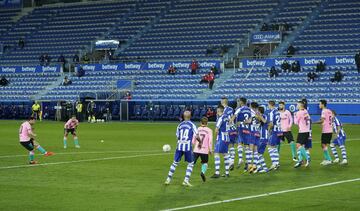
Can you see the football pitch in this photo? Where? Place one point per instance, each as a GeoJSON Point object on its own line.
{"type": "Point", "coordinates": [127, 170]}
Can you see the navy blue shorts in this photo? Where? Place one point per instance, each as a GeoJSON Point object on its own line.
{"type": "Point", "coordinates": [339, 141]}
{"type": "Point", "coordinates": [232, 138]}
{"type": "Point", "coordinates": [221, 147]}
{"type": "Point", "coordinates": [262, 145]}
{"type": "Point", "coordinates": [254, 138]}
{"type": "Point", "coordinates": [188, 156]}
{"type": "Point", "coordinates": [308, 144]}
{"type": "Point", "coordinates": [275, 138]}
{"type": "Point", "coordinates": [244, 137]}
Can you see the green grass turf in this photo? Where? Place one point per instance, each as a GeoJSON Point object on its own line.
{"type": "Point", "coordinates": [137, 183]}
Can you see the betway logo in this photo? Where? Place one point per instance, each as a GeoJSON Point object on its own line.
{"type": "Point", "coordinates": [344, 60]}
{"type": "Point", "coordinates": [49, 69]}
{"type": "Point", "coordinates": [88, 67]}
{"type": "Point", "coordinates": [28, 69]}
{"type": "Point", "coordinates": [156, 66]}
{"type": "Point", "coordinates": [313, 61]}
{"type": "Point", "coordinates": [255, 63]}
{"type": "Point", "coordinates": [133, 66]}
{"type": "Point", "coordinates": [8, 69]}
{"type": "Point", "coordinates": [279, 62]}
{"type": "Point", "coordinates": [207, 64]}
{"type": "Point", "coordinates": [109, 67]}
{"type": "Point", "coordinates": [180, 65]}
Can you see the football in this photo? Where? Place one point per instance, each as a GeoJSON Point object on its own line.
{"type": "Point", "coordinates": [166, 148]}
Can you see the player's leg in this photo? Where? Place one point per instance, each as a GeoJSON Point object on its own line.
{"type": "Point", "coordinates": [343, 150]}
{"type": "Point", "coordinates": [232, 154]}
{"type": "Point", "coordinates": [30, 147]}
{"type": "Point", "coordinates": [227, 164]}
{"type": "Point", "coordinates": [256, 159]}
{"type": "Point", "coordinates": [76, 140]}
{"type": "Point", "coordinates": [204, 165]}
{"type": "Point", "coordinates": [334, 151]}
{"type": "Point", "coordinates": [41, 149]}
{"type": "Point", "coordinates": [288, 135]}
{"type": "Point", "coordinates": [190, 159]}
{"type": "Point", "coordinates": [325, 140]}
{"type": "Point", "coordinates": [240, 150]}
{"type": "Point", "coordinates": [301, 152]}
{"type": "Point", "coordinates": [66, 133]}
{"type": "Point", "coordinates": [217, 160]}
{"type": "Point", "coordinates": [177, 158]}
{"type": "Point", "coordinates": [273, 151]}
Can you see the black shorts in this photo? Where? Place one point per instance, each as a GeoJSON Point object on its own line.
{"type": "Point", "coordinates": [288, 135]}
{"type": "Point", "coordinates": [72, 131]}
{"type": "Point", "coordinates": [29, 145]}
{"type": "Point", "coordinates": [204, 157]}
{"type": "Point", "coordinates": [326, 138]}
{"type": "Point", "coordinates": [303, 138]}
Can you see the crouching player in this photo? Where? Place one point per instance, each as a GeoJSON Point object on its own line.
{"type": "Point", "coordinates": [203, 146]}
{"type": "Point", "coordinates": [264, 137]}
{"type": "Point", "coordinates": [27, 140]}
{"type": "Point", "coordinates": [302, 119]}
{"type": "Point", "coordinates": [184, 133]}
{"type": "Point", "coordinates": [70, 127]}
{"type": "Point", "coordinates": [339, 141]}
{"type": "Point", "coordinates": [222, 142]}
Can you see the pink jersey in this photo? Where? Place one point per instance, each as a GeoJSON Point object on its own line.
{"type": "Point", "coordinates": [70, 124]}
{"type": "Point", "coordinates": [206, 135]}
{"type": "Point", "coordinates": [286, 120]}
{"type": "Point", "coordinates": [327, 126]}
{"type": "Point", "coordinates": [302, 119]}
{"type": "Point", "coordinates": [24, 131]}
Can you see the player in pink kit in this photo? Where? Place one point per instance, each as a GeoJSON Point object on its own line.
{"type": "Point", "coordinates": [286, 124]}
{"type": "Point", "coordinates": [326, 120]}
{"type": "Point", "coordinates": [302, 119]}
{"type": "Point", "coordinates": [70, 127]}
{"type": "Point", "coordinates": [203, 147]}
{"type": "Point", "coordinates": [27, 140]}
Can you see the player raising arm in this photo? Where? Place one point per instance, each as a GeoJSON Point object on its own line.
{"type": "Point", "coordinates": [27, 140]}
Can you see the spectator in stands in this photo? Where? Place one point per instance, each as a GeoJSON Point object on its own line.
{"type": "Point", "coordinates": [210, 114]}
{"type": "Point", "coordinates": [4, 81]}
{"type": "Point", "coordinates": [338, 76]}
{"type": "Point", "coordinates": [42, 60]}
{"type": "Point", "coordinates": [47, 59]}
{"type": "Point", "coordinates": [290, 51]}
{"type": "Point", "coordinates": [357, 61]}
{"type": "Point", "coordinates": [295, 67]}
{"type": "Point", "coordinates": [66, 81]}
{"type": "Point", "coordinates": [264, 27]}
{"type": "Point", "coordinates": [205, 78]}
{"type": "Point", "coordinates": [211, 80]}
{"type": "Point", "coordinates": [320, 67]}
{"type": "Point", "coordinates": [80, 72]}
{"type": "Point", "coordinates": [214, 69]}
{"type": "Point", "coordinates": [127, 96]}
{"type": "Point", "coordinates": [21, 43]}
{"type": "Point", "coordinates": [76, 58]}
{"type": "Point", "coordinates": [194, 66]}
{"type": "Point", "coordinates": [209, 50]}
{"type": "Point", "coordinates": [273, 72]}
{"type": "Point", "coordinates": [285, 66]}
{"type": "Point", "coordinates": [62, 61]}
{"type": "Point", "coordinates": [85, 59]}
{"type": "Point", "coordinates": [172, 70]}
{"type": "Point", "coordinates": [311, 76]}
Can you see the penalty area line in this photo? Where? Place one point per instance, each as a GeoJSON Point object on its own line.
{"type": "Point", "coordinates": [263, 195]}
{"type": "Point", "coordinates": [81, 161]}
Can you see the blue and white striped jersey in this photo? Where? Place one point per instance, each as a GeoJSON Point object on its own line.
{"type": "Point", "coordinates": [337, 124]}
{"type": "Point", "coordinates": [242, 114]}
{"type": "Point", "coordinates": [222, 124]}
{"type": "Point", "coordinates": [228, 112]}
{"type": "Point", "coordinates": [255, 123]}
{"type": "Point", "coordinates": [274, 118]}
{"type": "Point", "coordinates": [184, 133]}
{"type": "Point", "coordinates": [264, 128]}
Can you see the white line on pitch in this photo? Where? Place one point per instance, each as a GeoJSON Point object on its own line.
{"type": "Point", "coordinates": [263, 195]}
{"type": "Point", "coordinates": [81, 161]}
{"type": "Point", "coordinates": [75, 153]}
